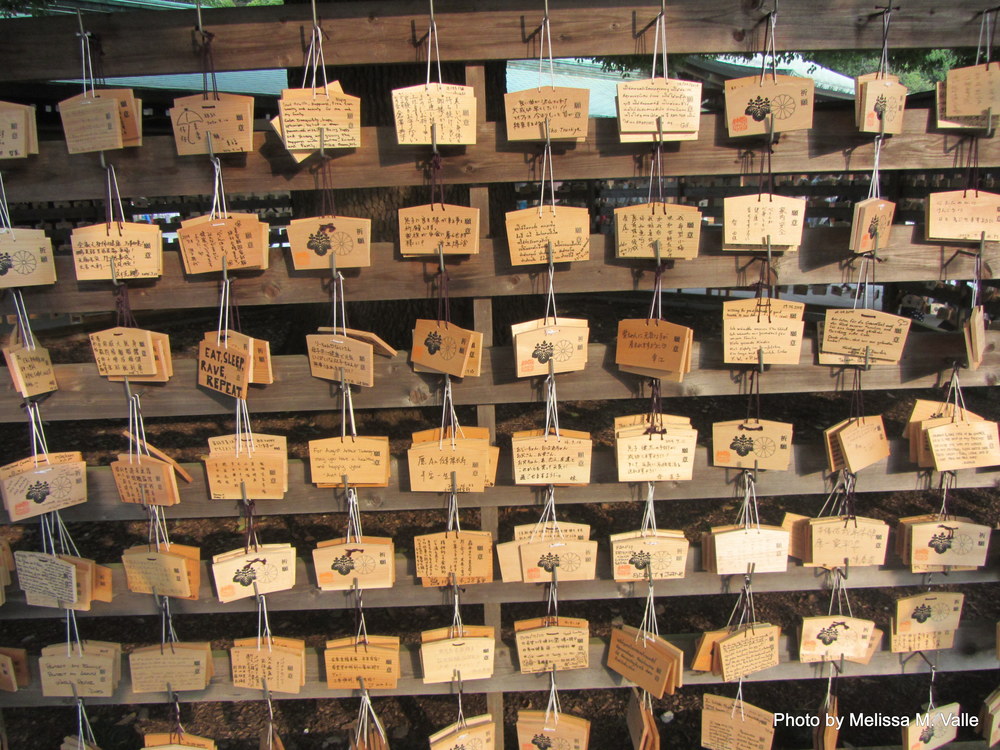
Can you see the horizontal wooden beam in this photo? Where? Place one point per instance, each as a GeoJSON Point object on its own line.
{"type": "Point", "coordinates": [407, 592]}
{"type": "Point", "coordinates": [806, 476]}
{"type": "Point", "coordinates": [83, 394]}
{"type": "Point", "coordinates": [365, 33]}
{"type": "Point", "coordinates": [973, 650]}
{"type": "Point", "coordinates": [832, 145]}
{"type": "Point", "coordinates": [822, 259]}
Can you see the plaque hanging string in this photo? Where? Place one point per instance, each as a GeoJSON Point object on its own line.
{"type": "Point", "coordinates": [86, 59]}
{"type": "Point", "coordinates": [203, 45]}
{"type": "Point", "coordinates": [263, 624]}
{"type": "Point", "coordinates": [949, 480]}
{"type": "Point", "coordinates": [648, 527]}
{"type": "Point", "coordinates": [24, 332]}
{"type": "Point", "coordinates": [360, 626]}
{"type": "Point", "coordinates": [85, 738]}
{"type": "Point", "coordinates": [547, 521]}
{"type": "Point", "coordinates": [354, 532]}
{"type": "Point", "coordinates": [545, 37]}
{"type": "Point", "coordinates": [748, 516]}
{"type": "Point", "coordinates": [449, 418]}
{"type": "Point", "coordinates": [168, 636]}
{"type": "Point", "coordinates": [457, 628]}
{"type": "Point", "coordinates": [553, 708]}
{"type": "Point", "coordinates": [315, 64]}
{"type": "Point", "coordinates": [649, 628]}
{"type": "Point", "coordinates": [552, 599]}
{"type": "Point", "coordinates": [768, 49]}
{"type": "Point", "coordinates": [987, 29]}
{"type": "Point", "coordinates": [432, 39]}
{"type": "Point", "coordinates": [6, 225]}
{"type": "Point", "coordinates": [367, 720]}
{"type": "Point", "coordinates": [744, 606]}
{"type": "Point", "coordinates": [838, 594]}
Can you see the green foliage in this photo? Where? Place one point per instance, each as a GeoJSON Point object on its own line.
{"type": "Point", "coordinates": [918, 69]}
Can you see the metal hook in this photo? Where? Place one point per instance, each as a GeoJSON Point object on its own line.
{"type": "Point", "coordinates": [760, 360]}
{"type": "Point", "coordinates": [114, 272]}
{"type": "Point", "coordinates": [434, 134]}
{"type": "Point", "coordinates": [225, 268]}
{"type": "Point", "coordinates": [656, 252]}
{"type": "Point", "coordinates": [208, 142]}
{"type": "Point", "coordinates": [199, 27]}
{"type": "Point", "coordinates": [322, 133]}
{"type": "Point", "coordinates": [440, 255]}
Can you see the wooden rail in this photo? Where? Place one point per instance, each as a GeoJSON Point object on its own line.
{"type": "Point", "coordinates": [973, 645]}
{"type": "Point", "coordinates": [832, 145]}
{"type": "Point", "coordinates": [365, 33]}
{"type": "Point", "coordinates": [83, 394]}
{"type": "Point", "coordinates": [822, 259]}
{"type": "Point", "coordinates": [407, 592]}
{"type": "Point", "coordinates": [807, 475]}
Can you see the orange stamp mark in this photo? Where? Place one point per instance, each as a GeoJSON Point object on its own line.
{"type": "Point", "coordinates": [723, 456]}
{"type": "Point", "coordinates": [740, 124]}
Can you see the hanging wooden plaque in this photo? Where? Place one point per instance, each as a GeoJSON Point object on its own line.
{"type": "Point", "coordinates": [673, 227]}
{"type": "Point", "coordinates": [25, 258]}
{"type": "Point", "coordinates": [364, 460]}
{"type": "Point", "coordinates": [753, 102]}
{"type": "Point", "coordinates": [530, 230]}
{"type": "Point", "coordinates": [972, 90]}
{"type": "Point", "coordinates": [90, 123]}
{"type": "Point", "coordinates": [655, 105]}
{"type": "Point", "coordinates": [748, 220]}
{"type": "Point", "coordinates": [563, 110]}
{"type": "Point", "coordinates": [319, 242]}
{"type": "Point", "coordinates": [425, 229]}
{"type": "Point", "coordinates": [449, 108]}
{"type": "Point", "coordinates": [320, 117]}
{"type": "Point", "coordinates": [227, 118]}
{"type": "Point", "coordinates": [963, 215]}
{"type": "Point", "coordinates": [369, 561]}
{"type": "Point", "coordinates": [135, 249]}
{"type": "Point", "coordinates": [880, 335]}
{"type": "Point", "coordinates": [727, 724]}
{"type": "Point", "coordinates": [338, 357]}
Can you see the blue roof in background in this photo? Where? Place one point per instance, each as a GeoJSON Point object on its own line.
{"type": "Point", "coordinates": [259, 82]}
{"type": "Point", "coordinates": [582, 74]}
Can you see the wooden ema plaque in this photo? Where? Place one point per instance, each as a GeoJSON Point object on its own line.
{"type": "Point", "coordinates": [143, 479]}
{"type": "Point", "coordinates": [425, 229]}
{"type": "Point", "coordinates": [652, 663]}
{"type": "Point", "coordinates": [674, 228]}
{"type": "Point", "coordinates": [562, 730]}
{"type": "Point", "coordinates": [659, 105]}
{"type": "Point", "coordinates": [14, 671]}
{"type": "Point", "coordinates": [547, 643]}
{"type": "Point", "coordinates": [963, 215]}
{"type": "Point", "coordinates": [926, 622]}
{"type": "Point", "coordinates": [320, 117]}
{"type": "Point", "coordinates": [467, 555]}
{"type": "Point", "coordinates": [370, 561]}
{"type": "Point", "coordinates": [728, 550]}
{"type": "Point", "coordinates": [477, 732]}
{"type": "Point", "coordinates": [740, 444]}
{"type": "Point", "coordinates": [748, 220]}
{"type": "Point", "coordinates": [762, 329]}
{"type": "Point", "coordinates": [168, 569]}
{"type": "Point", "coordinates": [280, 661]}
{"type": "Point", "coordinates": [662, 554]}
{"type": "Point", "coordinates": [964, 445]}
{"type": "Point", "coordinates": [879, 106]}
{"type": "Point", "coordinates": [441, 347]}
{"type": "Point", "coordinates": [661, 455]}
{"type": "Point", "coordinates": [748, 649]}
{"type": "Point", "coordinates": [18, 131]}
{"type": "Point", "coordinates": [509, 553]}
{"type": "Point", "coordinates": [432, 464]}
{"type": "Point", "coordinates": [264, 469]}
{"type": "Point", "coordinates": [44, 488]}
{"type": "Point", "coordinates": [753, 103]}
{"type": "Point", "coordinates": [830, 637]}
{"type": "Point", "coordinates": [226, 118]}
{"type": "Point", "coordinates": [174, 741]}
{"type": "Point", "coordinates": [65, 673]}
{"type": "Point", "coordinates": [562, 459]}
{"type": "Point", "coordinates": [375, 659]}
{"type": "Point", "coordinates": [730, 725]}
{"type": "Point", "coordinates": [837, 541]}
{"type": "Point", "coordinates": [133, 249]}
{"type": "Point", "coordinates": [563, 110]}
{"type": "Point", "coordinates": [446, 109]}
{"type": "Point", "coordinates": [557, 342]}
{"type": "Point", "coordinates": [646, 344]}
{"type": "Point", "coordinates": [642, 727]}
{"type": "Point", "coordinates": [964, 122]}
{"type": "Point", "coordinates": [445, 652]}
{"type": "Point", "coordinates": [973, 90]}
{"type": "Point", "coordinates": [225, 363]}
{"type": "Point", "coordinates": [316, 243]}
{"type": "Point", "coordinates": [575, 560]}
{"type": "Point", "coordinates": [337, 357]}
{"type": "Point", "coordinates": [90, 123]}
{"type": "Point", "coordinates": [880, 335]}
{"type": "Point", "coordinates": [175, 666]}
{"type": "Point", "coordinates": [123, 352]}
{"type": "Point", "coordinates": [242, 239]}
{"type": "Point", "coordinates": [933, 729]}
{"type": "Point", "coordinates": [530, 230]}
{"type": "Point", "coordinates": [946, 543]}
{"type": "Point", "coordinates": [30, 370]}
{"type": "Point", "coordinates": [46, 576]}
{"type": "Point", "coordinates": [261, 570]}
{"type": "Point", "coordinates": [364, 460]}
{"type": "Point", "coordinates": [974, 332]}
{"type": "Point", "coordinates": [871, 225]}
{"type": "Point", "coordinates": [25, 258]}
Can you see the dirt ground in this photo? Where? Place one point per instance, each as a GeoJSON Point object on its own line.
{"type": "Point", "coordinates": [309, 724]}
